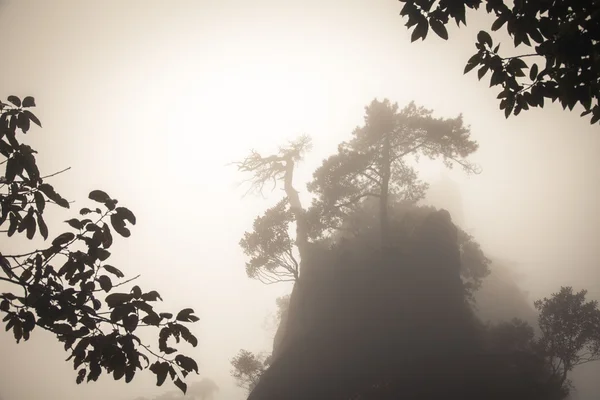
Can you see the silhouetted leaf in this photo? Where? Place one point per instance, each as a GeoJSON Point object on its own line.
{"type": "Point", "coordinates": [161, 369]}
{"type": "Point", "coordinates": [13, 225]}
{"type": "Point", "coordinates": [42, 226]}
{"type": "Point", "coordinates": [31, 117]}
{"type": "Point", "coordinates": [136, 292]}
{"type": "Point", "coordinates": [439, 28]}
{"type": "Point", "coordinates": [130, 322]}
{"type": "Point", "coordinates": [126, 214]}
{"type": "Point", "coordinates": [115, 299]}
{"type": "Point", "coordinates": [74, 223]}
{"type": "Point", "coordinates": [28, 102]}
{"type": "Point", "coordinates": [185, 315]}
{"type": "Point", "coordinates": [105, 283]}
{"type": "Point", "coordinates": [533, 72]}
{"type": "Point", "coordinates": [420, 30]}
{"type": "Point", "coordinates": [107, 236]}
{"type": "Point", "coordinates": [118, 225]}
{"type": "Point", "coordinates": [113, 271]}
{"type": "Point", "coordinates": [48, 190]}
{"type": "Point", "coordinates": [81, 375]}
{"type": "Point", "coordinates": [40, 201]}
{"type": "Point", "coordinates": [99, 196]}
{"type": "Point", "coordinates": [166, 315]}
{"type": "Point", "coordinates": [485, 38]}
{"type": "Point", "coordinates": [181, 385]}
{"type": "Point", "coordinates": [151, 296]}
{"type": "Point", "coordinates": [499, 22]}
{"type": "Point", "coordinates": [186, 363]}
{"type": "Point", "coordinates": [63, 239]}
{"type": "Point", "coordinates": [14, 100]}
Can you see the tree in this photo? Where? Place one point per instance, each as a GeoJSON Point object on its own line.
{"type": "Point", "coordinates": [248, 368]}
{"type": "Point", "coordinates": [570, 330]}
{"type": "Point", "coordinates": [68, 287]}
{"type": "Point", "coordinates": [564, 36]}
{"type": "Point", "coordinates": [269, 245]}
{"type": "Point", "coordinates": [374, 163]}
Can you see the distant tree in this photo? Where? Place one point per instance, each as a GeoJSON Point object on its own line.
{"type": "Point", "coordinates": [564, 36]}
{"type": "Point", "coordinates": [248, 368]}
{"type": "Point", "coordinates": [67, 287]}
{"type": "Point", "coordinates": [375, 162]}
{"type": "Point", "coordinates": [570, 330]}
{"type": "Point", "coordinates": [269, 245]}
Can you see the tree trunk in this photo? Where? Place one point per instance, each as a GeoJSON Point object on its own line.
{"type": "Point", "coordinates": [384, 195]}
{"type": "Point", "coordinates": [296, 208]}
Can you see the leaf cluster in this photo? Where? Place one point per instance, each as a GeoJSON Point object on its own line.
{"type": "Point", "coordinates": [270, 246]}
{"type": "Point", "coordinates": [564, 36]}
{"type": "Point", "coordinates": [68, 287]}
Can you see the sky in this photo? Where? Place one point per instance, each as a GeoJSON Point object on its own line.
{"type": "Point", "coordinates": [150, 100]}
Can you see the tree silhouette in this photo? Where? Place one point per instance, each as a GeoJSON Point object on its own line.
{"type": "Point", "coordinates": [68, 288]}
{"type": "Point", "coordinates": [269, 245]}
{"type": "Point", "coordinates": [374, 163]}
{"type": "Point", "coordinates": [564, 36]}
{"type": "Point", "coordinates": [570, 328]}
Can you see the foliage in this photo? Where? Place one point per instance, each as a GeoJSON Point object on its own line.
{"type": "Point", "coordinates": [270, 246]}
{"type": "Point", "coordinates": [570, 328]}
{"type": "Point", "coordinates": [248, 368]}
{"type": "Point", "coordinates": [68, 287]}
{"type": "Point", "coordinates": [564, 36]}
{"type": "Point", "coordinates": [375, 162]}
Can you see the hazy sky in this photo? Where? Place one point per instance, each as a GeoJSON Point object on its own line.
{"type": "Point", "coordinates": [149, 100]}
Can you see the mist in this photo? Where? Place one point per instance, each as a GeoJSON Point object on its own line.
{"type": "Point", "coordinates": [152, 100]}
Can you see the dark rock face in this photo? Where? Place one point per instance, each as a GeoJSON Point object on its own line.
{"type": "Point", "coordinates": [382, 326]}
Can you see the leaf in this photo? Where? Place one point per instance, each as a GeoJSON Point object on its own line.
{"type": "Point", "coordinates": [161, 369]}
{"type": "Point", "coordinates": [439, 28]}
{"type": "Point", "coordinates": [186, 363]}
{"type": "Point", "coordinates": [32, 117]}
{"type": "Point", "coordinates": [533, 72]}
{"type": "Point", "coordinates": [31, 226]}
{"type": "Point", "coordinates": [63, 239]}
{"type": "Point", "coordinates": [485, 38]}
{"type": "Point", "coordinates": [130, 322]}
{"type": "Point", "coordinates": [180, 384]}
{"type": "Point", "coordinates": [118, 225]}
{"type": "Point", "coordinates": [185, 315]}
{"type": "Point", "coordinates": [23, 122]}
{"type": "Point", "coordinates": [40, 201]}
{"type": "Point", "coordinates": [187, 336]}
{"type": "Point", "coordinates": [151, 319]}
{"type": "Point", "coordinates": [81, 375]}
{"type": "Point", "coordinates": [107, 237]}
{"type": "Point", "coordinates": [114, 271]}
{"type": "Point", "coordinates": [99, 196]}
{"type": "Point", "coordinates": [518, 63]}
{"type": "Point", "coordinates": [116, 299]}
{"type": "Point", "coordinates": [166, 315]}
{"type": "Point", "coordinates": [499, 22]}
{"type": "Point", "coordinates": [28, 102]}
{"type": "Point", "coordinates": [48, 190]}
{"type": "Point", "coordinates": [102, 254]}
{"type": "Point", "coordinates": [15, 100]}
{"type": "Point", "coordinates": [151, 296]}
{"type": "Point", "coordinates": [472, 63]}
{"type": "Point", "coordinates": [105, 283]}
{"type": "Point", "coordinates": [136, 292]}
{"type": "Point", "coordinates": [42, 226]}
{"type": "Point", "coordinates": [13, 224]}
{"type": "Point", "coordinates": [126, 214]}
{"type": "Point", "coordinates": [420, 30]}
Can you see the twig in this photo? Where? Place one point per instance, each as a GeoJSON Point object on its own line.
{"type": "Point", "coordinates": [56, 173]}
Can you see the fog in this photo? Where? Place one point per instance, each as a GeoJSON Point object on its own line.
{"type": "Point", "coordinates": [150, 100]}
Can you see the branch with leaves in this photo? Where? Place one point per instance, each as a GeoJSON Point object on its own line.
{"type": "Point", "coordinates": [563, 34]}
{"type": "Point", "coordinates": [68, 287]}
